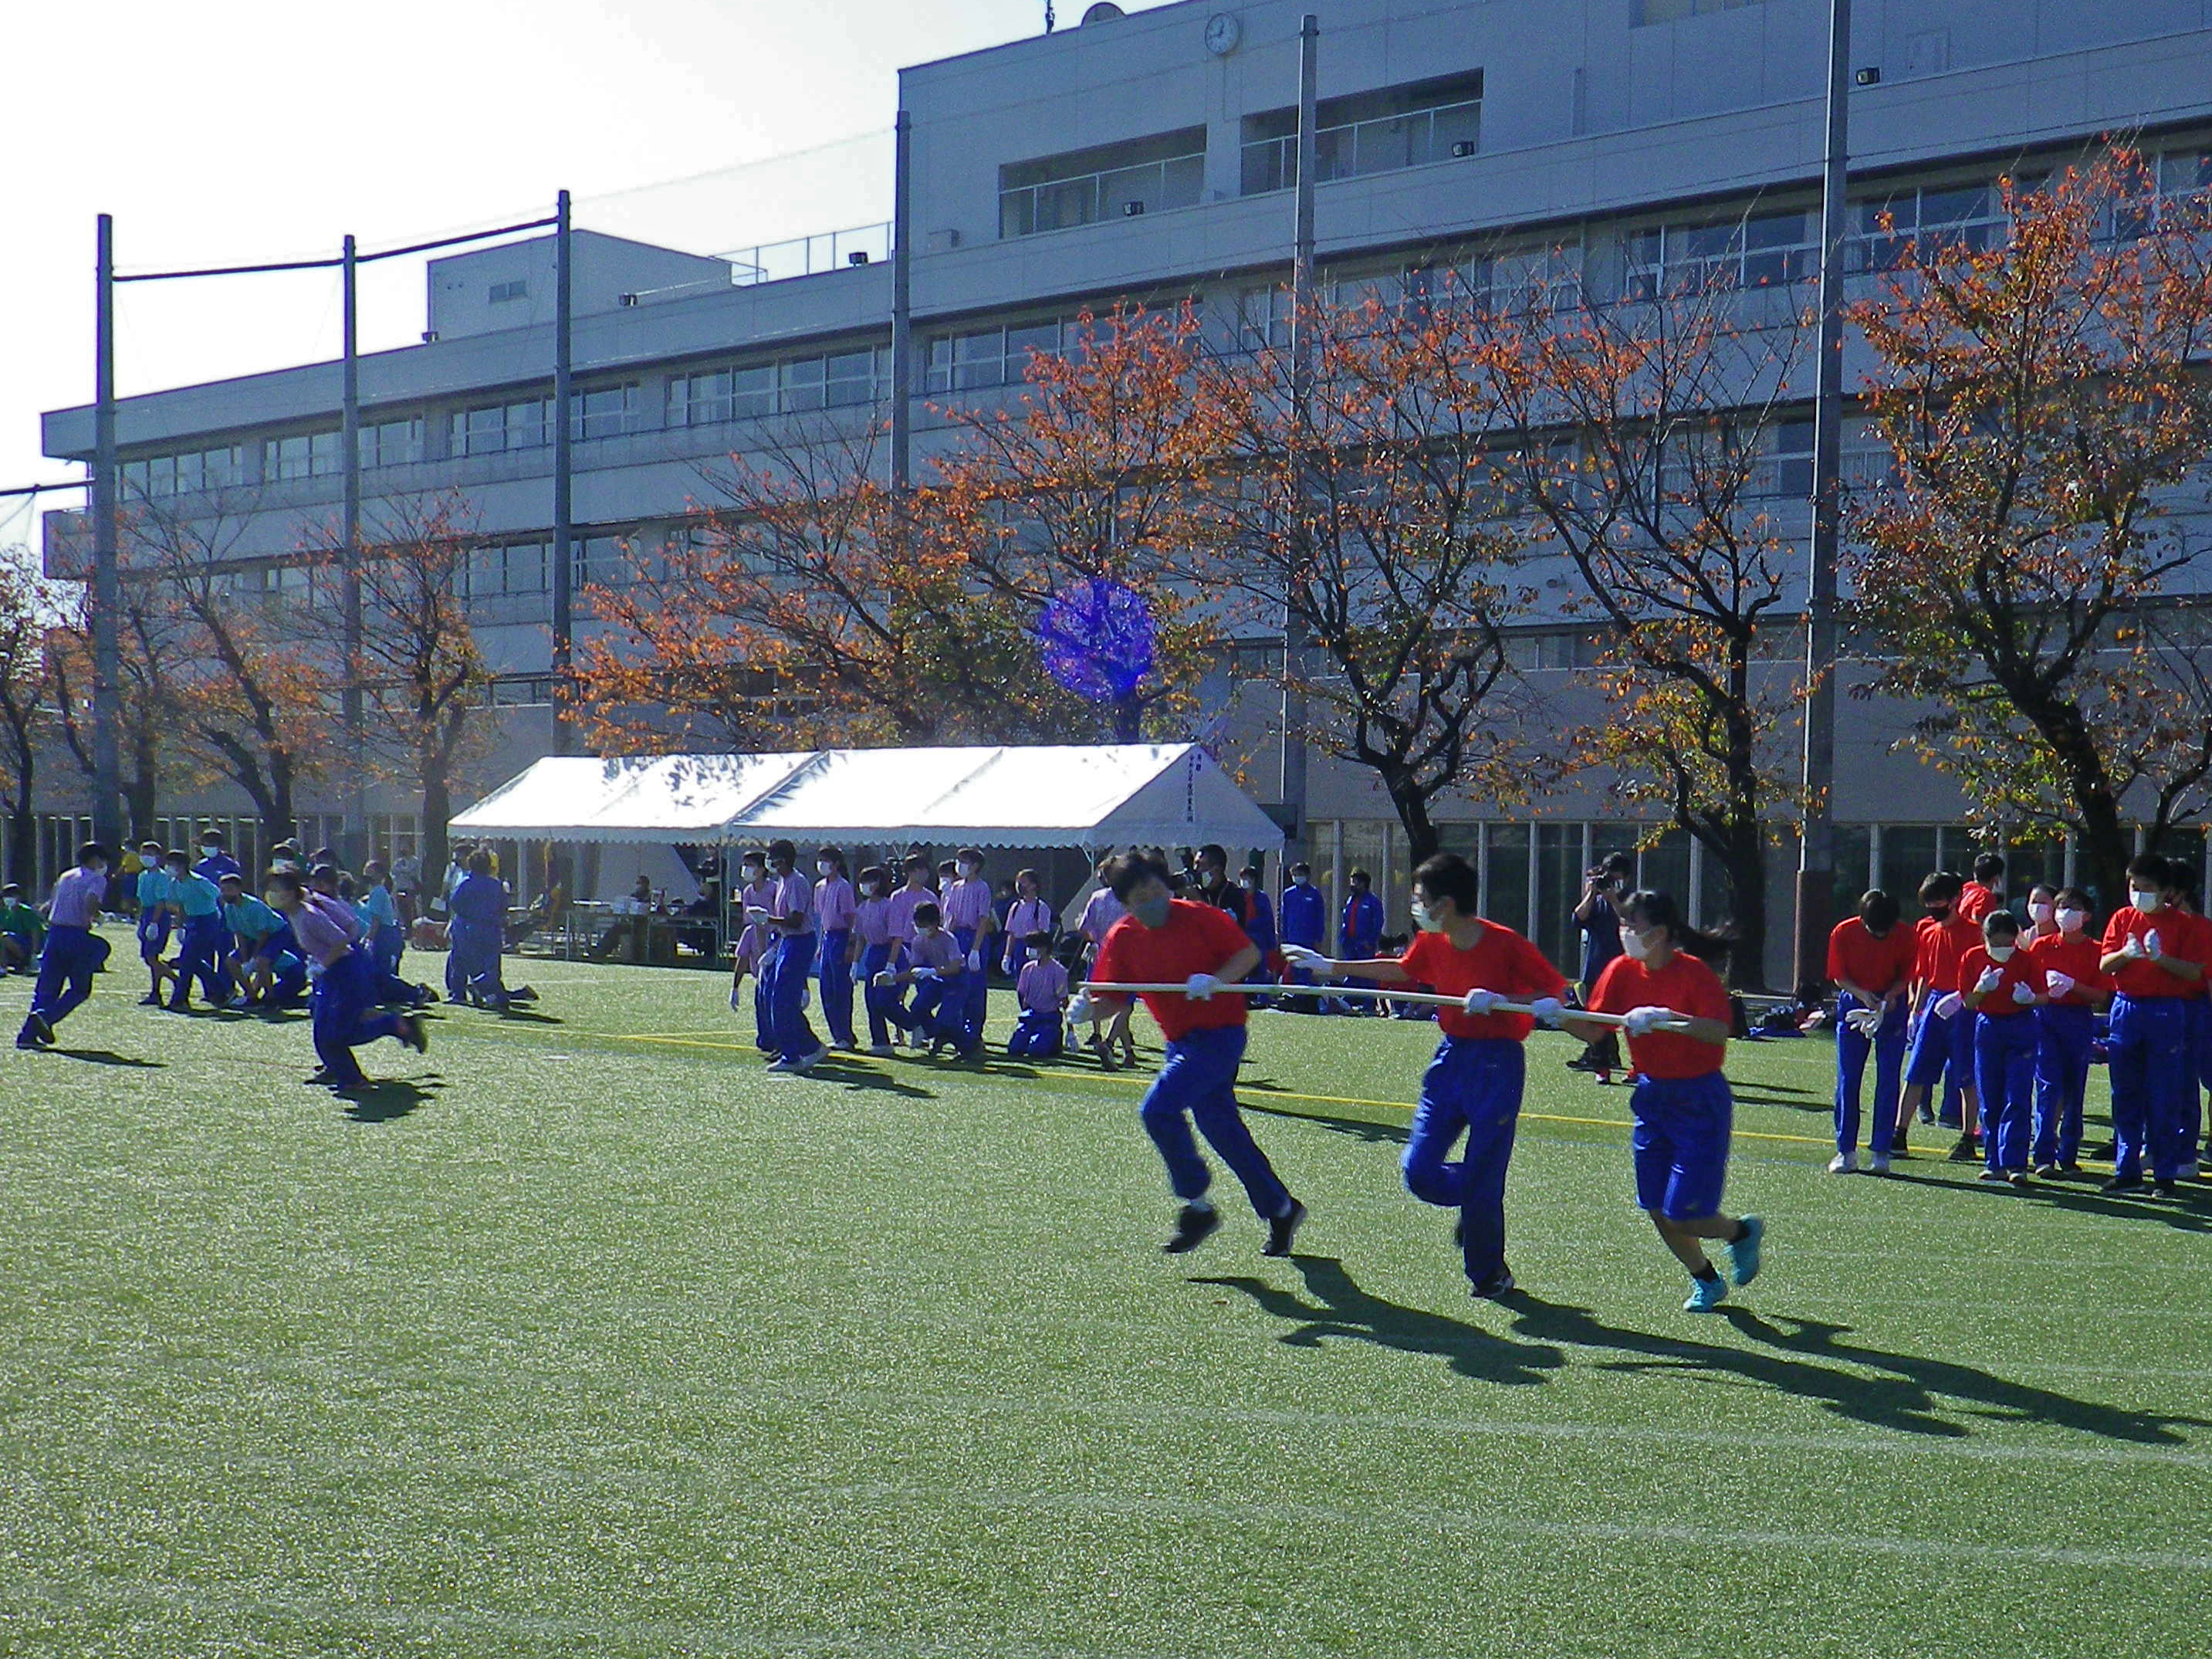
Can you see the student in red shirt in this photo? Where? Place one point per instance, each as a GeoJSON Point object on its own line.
{"type": "Point", "coordinates": [1475, 1084]}
{"type": "Point", "coordinates": [2181, 894]}
{"type": "Point", "coordinates": [1941, 1045]}
{"type": "Point", "coordinates": [2157, 959]}
{"type": "Point", "coordinates": [1870, 959]}
{"type": "Point", "coordinates": [2074, 987]}
{"type": "Point", "coordinates": [1985, 892]}
{"type": "Point", "coordinates": [1164, 940]}
{"type": "Point", "coordinates": [2003, 986]}
{"type": "Point", "coordinates": [1683, 1109]}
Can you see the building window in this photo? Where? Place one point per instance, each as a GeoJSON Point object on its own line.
{"type": "Point", "coordinates": [1113, 181]}
{"type": "Point", "coordinates": [303, 455]}
{"type": "Point", "coordinates": [998, 356]}
{"type": "Point", "coordinates": [1751, 250]}
{"type": "Point", "coordinates": [1673, 11]}
{"type": "Point", "coordinates": [1966, 216]}
{"type": "Point", "coordinates": [1380, 131]}
{"type": "Point", "coordinates": [840, 381]}
{"type": "Point", "coordinates": [496, 426]}
{"type": "Point", "coordinates": [603, 411]}
{"type": "Point", "coordinates": [599, 560]}
{"type": "Point", "coordinates": [503, 292]}
{"type": "Point", "coordinates": [390, 443]}
{"type": "Point", "coordinates": [181, 475]}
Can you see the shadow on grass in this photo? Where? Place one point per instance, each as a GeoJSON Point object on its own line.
{"type": "Point", "coordinates": [1334, 1306]}
{"type": "Point", "coordinates": [1359, 1128]}
{"type": "Point", "coordinates": [2190, 1212]}
{"type": "Point", "coordinates": [867, 1079]}
{"type": "Point", "coordinates": [109, 1057]}
{"type": "Point", "coordinates": [382, 1100]}
{"type": "Point", "coordinates": [516, 1016]}
{"type": "Point", "coordinates": [1908, 1392]}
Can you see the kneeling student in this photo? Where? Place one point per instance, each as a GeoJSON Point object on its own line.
{"type": "Point", "coordinates": [1042, 990]}
{"type": "Point", "coordinates": [1474, 1084]}
{"type": "Point", "coordinates": [1683, 1109]}
{"type": "Point", "coordinates": [934, 1017]}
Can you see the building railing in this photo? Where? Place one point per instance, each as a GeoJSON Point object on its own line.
{"type": "Point", "coordinates": [1384, 144]}
{"type": "Point", "coordinates": [1064, 203]}
{"type": "Point", "coordinates": [810, 256]}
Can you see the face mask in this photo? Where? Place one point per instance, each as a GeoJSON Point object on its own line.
{"type": "Point", "coordinates": [176, 872]}
{"type": "Point", "coordinates": [2071, 921]}
{"type": "Point", "coordinates": [207, 849]}
{"type": "Point", "coordinates": [1425, 919]}
{"type": "Point", "coordinates": [2041, 913]}
{"type": "Point", "coordinates": [1638, 947]}
{"type": "Point", "coordinates": [1152, 912]}
{"type": "Point", "coordinates": [1247, 883]}
{"type": "Point", "coordinates": [1036, 956]}
{"type": "Point", "coordinates": [823, 867]}
{"type": "Point", "coordinates": [752, 872]}
{"type": "Point", "coordinates": [968, 872]}
{"type": "Point", "coordinates": [1939, 913]}
{"type": "Point", "coordinates": [871, 889]}
{"type": "Point", "coordinates": [2144, 900]}
{"type": "Point", "coordinates": [2002, 952]}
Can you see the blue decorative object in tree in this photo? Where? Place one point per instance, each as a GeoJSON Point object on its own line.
{"type": "Point", "coordinates": [1097, 640]}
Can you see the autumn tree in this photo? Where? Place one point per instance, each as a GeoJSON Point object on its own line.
{"type": "Point", "coordinates": [1646, 464]}
{"type": "Point", "coordinates": [30, 612]}
{"type": "Point", "coordinates": [1354, 514]}
{"type": "Point", "coordinates": [2024, 570]}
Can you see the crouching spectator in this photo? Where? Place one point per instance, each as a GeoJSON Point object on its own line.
{"type": "Point", "coordinates": [1042, 990]}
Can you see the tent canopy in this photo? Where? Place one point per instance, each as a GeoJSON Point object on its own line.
{"type": "Point", "coordinates": [1095, 796]}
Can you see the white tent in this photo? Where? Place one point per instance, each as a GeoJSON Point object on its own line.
{"type": "Point", "coordinates": [1093, 797]}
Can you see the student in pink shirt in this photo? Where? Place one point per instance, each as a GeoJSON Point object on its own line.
{"type": "Point", "coordinates": [917, 891]}
{"type": "Point", "coordinates": [343, 1003]}
{"type": "Point", "coordinates": [1029, 914]}
{"type": "Point", "coordinates": [877, 946]}
{"type": "Point", "coordinates": [790, 930]}
{"type": "Point", "coordinates": [934, 967]}
{"type": "Point", "coordinates": [73, 953]}
{"type": "Point", "coordinates": [968, 916]}
{"type": "Point", "coordinates": [1042, 990]}
{"type": "Point", "coordinates": [753, 945]}
{"type": "Point", "coordinates": [834, 904]}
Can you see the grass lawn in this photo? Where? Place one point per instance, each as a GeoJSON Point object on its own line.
{"type": "Point", "coordinates": [586, 1337]}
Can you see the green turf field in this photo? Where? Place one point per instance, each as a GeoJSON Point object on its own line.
{"type": "Point", "coordinates": [585, 1337]}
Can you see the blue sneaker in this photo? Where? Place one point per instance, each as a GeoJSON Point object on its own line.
{"type": "Point", "coordinates": [1743, 1254]}
{"type": "Point", "coordinates": [1705, 1295]}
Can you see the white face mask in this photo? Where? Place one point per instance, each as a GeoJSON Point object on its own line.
{"type": "Point", "coordinates": [752, 872]}
{"type": "Point", "coordinates": [2039, 911]}
{"type": "Point", "coordinates": [1036, 956]}
{"type": "Point", "coordinates": [2000, 952]}
{"type": "Point", "coordinates": [1638, 947]}
{"type": "Point", "coordinates": [871, 889]}
{"type": "Point", "coordinates": [823, 867]}
{"type": "Point", "coordinates": [968, 872]}
{"type": "Point", "coordinates": [2071, 921]}
{"type": "Point", "coordinates": [2144, 899]}
{"type": "Point", "coordinates": [1425, 919]}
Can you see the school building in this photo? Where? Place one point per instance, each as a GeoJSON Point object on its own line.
{"type": "Point", "coordinates": [1593, 147]}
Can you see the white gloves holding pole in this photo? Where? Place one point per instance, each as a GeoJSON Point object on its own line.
{"type": "Point", "coordinates": [1199, 987]}
{"type": "Point", "coordinates": [1865, 1021]}
{"type": "Point", "coordinates": [1480, 1001]}
{"type": "Point", "coordinates": [1640, 1022]}
{"type": "Point", "coordinates": [1310, 961]}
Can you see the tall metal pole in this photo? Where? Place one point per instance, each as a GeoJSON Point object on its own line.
{"type": "Point", "coordinates": [106, 577]}
{"type": "Point", "coordinates": [563, 588]}
{"type": "Point", "coordinates": [1301, 373]}
{"type": "Point", "coordinates": [1816, 870]}
{"type": "Point", "coordinates": [356, 838]}
{"type": "Point", "coordinates": [902, 387]}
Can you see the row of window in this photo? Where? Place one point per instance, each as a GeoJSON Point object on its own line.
{"type": "Point", "coordinates": [795, 385]}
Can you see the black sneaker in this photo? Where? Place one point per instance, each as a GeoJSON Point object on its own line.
{"type": "Point", "coordinates": [1282, 1229]}
{"type": "Point", "coordinates": [1965, 1150]}
{"type": "Point", "coordinates": [1926, 1115]}
{"type": "Point", "coordinates": [2116, 1185]}
{"type": "Point", "coordinates": [413, 1033]}
{"type": "Point", "coordinates": [1192, 1228]}
{"type": "Point", "coordinates": [41, 1029]}
{"type": "Point", "coordinates": [2162, 1189]}
{"type": "Point", "coordinates": [1992, 1175]}
{"type": "Point", "coordinates": [2048, 1171]}
{"type": "Point", "coordinates": [1499, 1284]}
{"type": "Point", "coordinates": [2018, 1177]}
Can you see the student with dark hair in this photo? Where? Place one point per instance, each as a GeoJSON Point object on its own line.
{"type": "Point", "coordinates": [1359, 931]}
{"type": "Point", "coordinates": [2075, 987]}
{"type": "Point", "coordinates": [73, 953]}
{"type": "Point", "coordinates": [1303, 917]}
{"type": "Point", "coordinates": [2156, 958]}
{"type": "Point", "coordinates": [934, 966]}
{"type": "Point", "coordinates": [1604, 883]}
{"type": "Point", "coordinates": [1472, 1087]}
{"type": "Point", "coordinates": [970, 918]}
{"type": "Point", "coordinates": [1167, 940]}
{"type": "Point", "coordinates": [155, 919]}
{"type": "Point", "coordinates": [1985, 892]}
{"type": "Point", "coordinates": [2003, 986]}
{"type": "Point", "coordinates": [1041, 992]}
{"type": "Point", "coordinates": [834, 905]}
{"type": "Point", "coordinates": [1871, 962]}
{"type": "Point", "coordinates": [342, 1002]}
{"type": "Point", "coordinates": [198, 901]}
{"type": "Point", "coordinates": [22, 930]}
{"type": "Point", "coordinates": [1028, 914]}
{"type": "Point", "coordinates": [1678, 1018]}
{"type": "Point", "coordinates": [1941, 1047]}
{"type": "Point", "coordinates": [789, 929]}
{"type": "Point", "coordinates": [879, 946]}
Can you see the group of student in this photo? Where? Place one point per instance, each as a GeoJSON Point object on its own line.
{"type": "Point", "coordinates": [312, 935]}
{"type": "Point", "coordinates": [2009, 1015]}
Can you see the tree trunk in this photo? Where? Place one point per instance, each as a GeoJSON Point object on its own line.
{"type": "Point", "coordinates": [1746, 863]}
{"type": "Point", "coordinates": [437, 809]}
{"type": "Point", "coordinates": [1412, 802]}
{"type": "Point", "coordinates": [22, 861]}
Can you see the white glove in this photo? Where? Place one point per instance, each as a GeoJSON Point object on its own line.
{"type": "Point", "coordinates": [974, 962]}
{"type": "Point", "coordinates": [925, 973]}
{"type": "Point", "coordinates": [1865, 1021]}
{"type": "Point", "coordinates": [2061, 984]}
{"type": "Point", "coordinates": [1299, 956]}
{"type": "Point", "coordinates": [1199, 986]}
{"type": "Point", "coordinates": [885, 979]}
{"type": "Point", "coordinates": [2133, 950]}
{"type": "Point", "coordinates": [1480, 1001]}
{"type": "Point", "coordinates": [860, 974]}
{"type": "Point", "coordinates": [1947, 1005]}
{"type": "Point", "coordinates": [1548, 1010]}
{"type": "Point", "coordinates": [1639, 1022]}
{"type": "Point", "coordinates": [1990, 978]}
{"type": "Point", "coordinates": [1079, 1010]}
{"type": "Point", "coordinates": [737, 999]}
{"type": "Point", "coordinates": [2151, 946]}
{"type": "Point", "coordinates": [2023, 994]}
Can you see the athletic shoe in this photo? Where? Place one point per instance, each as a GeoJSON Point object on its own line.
{"type": "Point", "coordinates": [1877, 1162]}
{"type": "Point", "coordinates": [2162, 1188]}
{"type": "Point", "coordinates": [1899, 1146]}
{"type": "Point", "coordinates": [1605, 1079]}
{"type": "Point", "coordinates": [1498, 1285]}
{"type": "Point", "coordinates": [2203, 1168]}
{"type": "Point", "coordinates": [41, 1029]}
{"type": "Point", "coordinates": [413, 1033]}
{"type": "Point", "coordinates": [149, 1000]}
{"type": "Point", "coordinates": [2048, 1172]}
{"type": "Point", "coordinates": [779, 1064]}
{"type": "Point", "coordinates": [808, 1062]}
{"type": "Point", "coordinates": [1926, 1116]}
{"type": "Point", "coordinates": [1192, 1228]}
{"type": "Point", "coordinates": [522, 994]}
{"type": "Point", "coordinates": [884, 1051]}
{"type": "Point", "coordinates": [1282, 1229]}
{"type": "Point", "coordinates": [2018, 1177]}
{"type": "Point", "coordinates": [1705, 1295]}
{"type": "Point", "coordinates": [28, 1044]}
{"type": "Point", "coordinates": [2103, 1148]}
{"type": "Point", "coordinates": [2116, 1185]}
{"type": "Point", "coordinates": [2072, 1171]}
{"type": "Point", "coordinates": [1992, 1174]}
{"type": "Point", "coordinates": [1965, 1150]}
{"type": "Point", "coordinates": [1844, 1163]}
{"type": "Point", "coordinates": [1743, 1253]}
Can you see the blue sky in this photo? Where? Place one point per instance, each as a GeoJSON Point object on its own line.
{"type": "Point", "coordinates": [267, 129]}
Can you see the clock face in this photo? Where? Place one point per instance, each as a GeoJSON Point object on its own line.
{"type": "Point", "coordinates": [1222, 32]}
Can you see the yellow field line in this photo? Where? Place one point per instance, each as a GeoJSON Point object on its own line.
{"type": "Point", "coordinates": [1258, 1092]}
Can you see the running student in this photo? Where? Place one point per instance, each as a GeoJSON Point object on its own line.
{"type": "Point", "coordinates": [1870, 960]}
{"type": "Point", "coordinates": [1942, 1045]}
{"type": "Point", "coordinates": [1167, 940]}
{"type": "Point", "coordinates": [154, 918]}
{"type": "Point", "coordinates": [1042, 990]}
{"type": "Point", "coordinates": [73, 952]}
{"type": "Point", "coordinates": [1473, 1085]}
{"type": "Point", "coordinates": [327, 930]}
{"type": "Point", "coordinates": [1683, 1109]}
{"type": "Point", "coordinates": [2075, 988]}
{"type": "Point", "coordinates": [2156, 960]}
{"type": "Point", "coordinates": [2003, 986]}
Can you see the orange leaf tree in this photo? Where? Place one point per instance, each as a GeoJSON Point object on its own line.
{"type": "Point", "coordinates": [2045, 401]}
{"type": "Point", "coordinates": [29, 614]}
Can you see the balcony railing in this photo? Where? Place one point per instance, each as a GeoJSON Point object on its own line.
{"type": "Point", "coordinates": [1063, 203]}
{"type": "Point", "coordinates": [810, 256]}
{"type": "Point", "coordinates": [1385, 144]}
